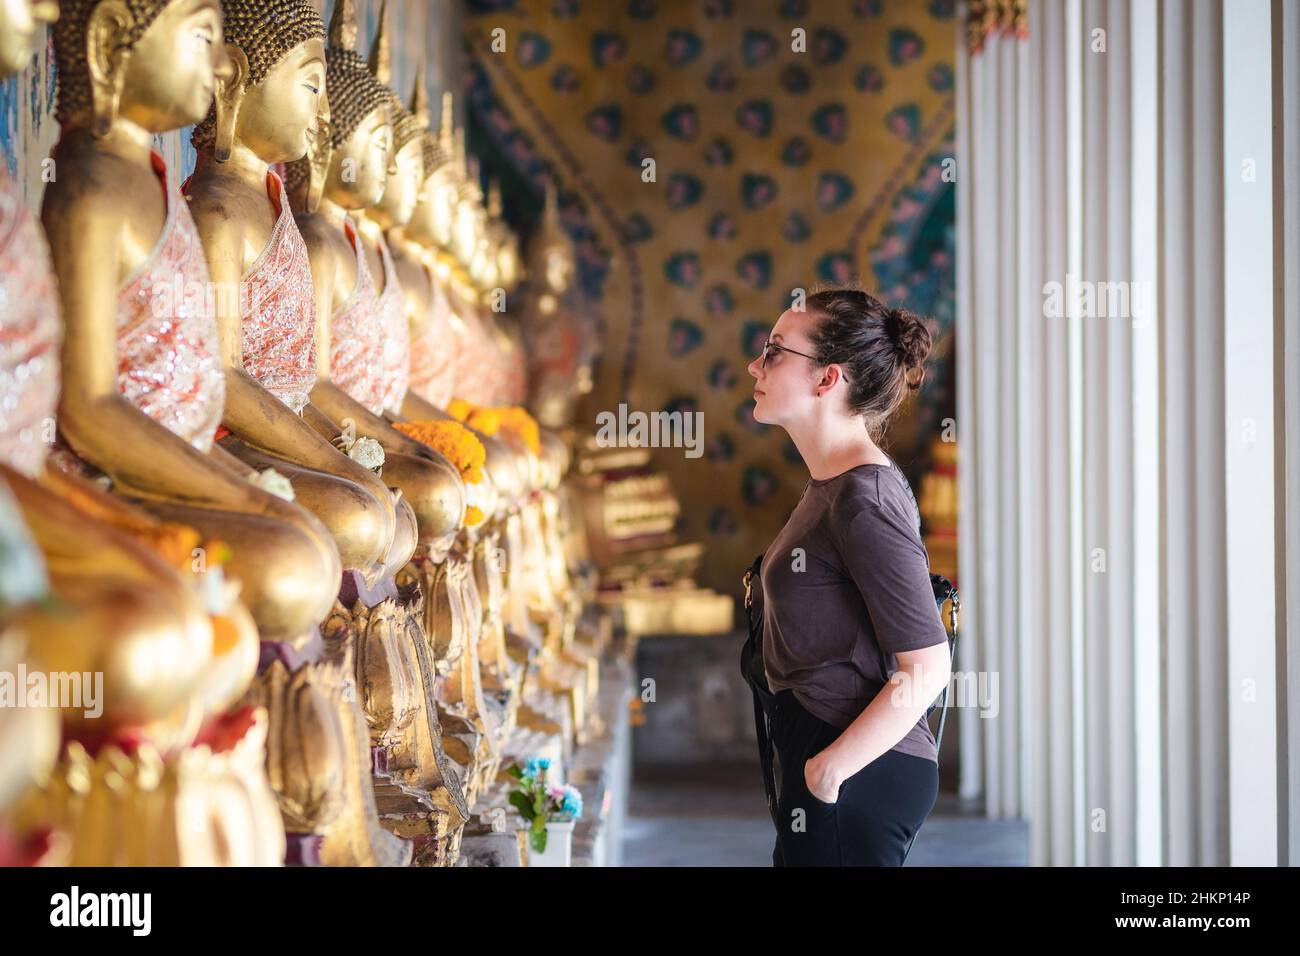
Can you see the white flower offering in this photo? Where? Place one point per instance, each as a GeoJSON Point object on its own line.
{"type": "Point", "coordinates": [368, 453]}
{"type": "Point", "coordinates": [268, 479]}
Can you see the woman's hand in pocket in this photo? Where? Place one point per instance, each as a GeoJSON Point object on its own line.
{"type": "Point", "coordinates": [822, 778]}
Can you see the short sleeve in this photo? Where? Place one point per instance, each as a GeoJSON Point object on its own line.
{"type": "Point", "coordinates": [883, 553]}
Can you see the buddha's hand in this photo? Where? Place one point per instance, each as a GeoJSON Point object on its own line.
{"type": "Point", "coordinates": [822, 778]}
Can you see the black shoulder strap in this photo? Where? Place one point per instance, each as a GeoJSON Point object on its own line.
{"type": "Point", "coordinates": [752, 658]}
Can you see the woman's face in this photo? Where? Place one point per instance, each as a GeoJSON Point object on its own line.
{"type": "Point", "coordinates": [786, 389]}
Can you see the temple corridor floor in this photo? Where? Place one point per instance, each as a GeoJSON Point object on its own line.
{"type": "Point", "coordinates": [715, 816]}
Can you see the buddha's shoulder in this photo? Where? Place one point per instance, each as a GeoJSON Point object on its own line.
{"type": "Point", "coordinates": [317, 230]}
{"type": "Point", "coordinates": [227, 198]}
{"type": "Point", "coordinates": [88, 182]}
{"type": "Point", "coordinates": [410, 271]}
{"type": "Point", "coordinates": [321, 236]}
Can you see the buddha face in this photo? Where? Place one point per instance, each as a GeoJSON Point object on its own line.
{"type": "Point", "coordinates": [559, 269]}
{"type": "Point", "coordinates": [483, 266]}
{"type": "Point", "coordinates": [20, 25]}
{"type": "Point", "coordinates": [278, 116]}
{"type": "Point", "coordinates": [465, 231]}
{"type": "Point", "coordinates": [358, 169]}
{"type": "Point", "coordinates": [403, 188]}
{"type": "Point", "coordinates": [436, 210]}
{"type": "Point", "coordinates": [508, 263]}
{"type": "Point", "coordinates": [173, 69]}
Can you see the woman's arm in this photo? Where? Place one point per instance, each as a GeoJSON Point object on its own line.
{"type": "Point", "coordinates": [921, 677]}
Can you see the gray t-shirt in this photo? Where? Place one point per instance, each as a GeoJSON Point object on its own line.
{"type": "Point", "coordinates": [846, 585]}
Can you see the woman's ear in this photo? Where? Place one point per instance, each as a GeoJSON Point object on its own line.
{"type": "Point", "coordinates": [831, 376]}
{"type": "Point", "coordinates": [230, 96]}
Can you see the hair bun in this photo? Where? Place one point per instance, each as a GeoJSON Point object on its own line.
{"type": "Point", "coordinates": [912, 338]}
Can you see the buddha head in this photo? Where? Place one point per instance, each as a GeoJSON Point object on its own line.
{"type": "Point", "coordinates": [20, 27]}
{"type": "Point", "coordinates": [361, 132]}
{"type": "Point", "coordinates": [551, 256]}
{"type": "Point", "coordinates": [406, 175]}
{"type": "Point", "coordinates": [272, 102]}
{"type": "Point", "coordinates": [467, 227]}
{"type": "Point", "coordinates": [155, 63]}
{"type": "Point", "coordinates": [505, 241]}
{"type": "Point", "coordinates": [435, 211]}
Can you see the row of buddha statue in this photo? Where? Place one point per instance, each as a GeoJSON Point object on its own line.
{"type": "Point", "coordinates": [264, 464]}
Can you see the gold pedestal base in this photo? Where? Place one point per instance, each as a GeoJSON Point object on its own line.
{"type": "Point", "coordinates": [199, 807]}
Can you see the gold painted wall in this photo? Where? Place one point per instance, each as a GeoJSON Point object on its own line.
{"type": "Point", "coordinates": [774, 170]}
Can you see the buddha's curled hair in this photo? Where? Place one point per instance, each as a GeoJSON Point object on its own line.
{"type": "Point", "coordinates": [74, 100]}
{"type": "Point", "coordinates": [353, 92]}
{"type": "Point", "coordinates": [406, 125]}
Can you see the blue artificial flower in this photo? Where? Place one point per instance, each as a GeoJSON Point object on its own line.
{"type": "Point", "coordinates": [534, 766]}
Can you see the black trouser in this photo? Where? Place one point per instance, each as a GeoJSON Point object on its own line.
{"type": "Point", "coordinates": [878, 810]}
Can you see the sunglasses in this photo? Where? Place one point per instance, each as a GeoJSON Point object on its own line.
{"type": "Point", "coordinates": [769, 347]}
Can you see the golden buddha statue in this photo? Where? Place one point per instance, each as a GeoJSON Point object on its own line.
{"type": "Point", "coordinates": [394, 208]}
{"type": "Point", "coordinates": [500, 279]}
{"type": "Point", "coordinates": [559, 360]}
{"type": "Point", "coordinates": [145, 390]}
{"type": "Point", "coordinates": [428, 313]}
{"type": "Point", "coordinates": [476, 340]}
{"type": "Point", "coordinates": [264, 115]}
{"type": "Point", "coordinates": [153, 347]}
{"type": "Point", "coordinates": [479, 693]}
{"type": "Point", "coordinates": [123, 603]}
{"type": "Point", "coordinates": [350, 335]}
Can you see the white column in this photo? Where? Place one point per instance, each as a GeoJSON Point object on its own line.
{"type": "Point", "coordinates": [1287, 210]}
{"type": "Point", "coordinates": [1178, 518]}
{"type": "Point", "coordinates": [970, 733]}
{"type": "Point", "coordinates": [1010, 743]}
{"type": "Point", "coordinates": [1248, 418]}
{"type": "Point", "coordinates": [1118, 700]}
{"type": "Point", "coordinates": [1204, 274]}
{"type": "Point", "coordinates": [1099, 555]}
{"type": "Point", "coordinates": [1075, 559]}
{"type": "Point", "coordinates": [1145, 459]}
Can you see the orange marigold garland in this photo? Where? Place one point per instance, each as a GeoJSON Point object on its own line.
{"type": "Point", "coordinates": [478, 417]}
{"type": "Point", "coordinates": [516, 419]}
{"type": "Point", "coordinates": [491, 419]}
{"type": "Point", "coordinates": [458, 445]}
{"type": "Point", "coordinates": [454, 441]}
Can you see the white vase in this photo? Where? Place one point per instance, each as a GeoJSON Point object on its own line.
{"type": "Point", "coordinates": [559, 845]}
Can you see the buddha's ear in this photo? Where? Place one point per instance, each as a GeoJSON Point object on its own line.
{"type": "Point", "coordinates": [107, 55]}
{"type": "Point", "coordinates": [318, 154]}
{"type": "Point", "coordinates": [229, 97]}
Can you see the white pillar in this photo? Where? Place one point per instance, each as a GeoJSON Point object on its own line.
{"type": "Point", "coordinates": [1248, 418]}
{"type": "Point", "coordinates": [1145, 459]}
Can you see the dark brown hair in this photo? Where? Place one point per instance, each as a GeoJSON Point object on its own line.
{"type": "Point", "coordinates": [267, 31]}
{"type": "Point", "coordinates": [882, 350]}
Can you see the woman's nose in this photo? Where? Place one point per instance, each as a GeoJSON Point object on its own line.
{"type": "Point", "coordinates": [755, 368]}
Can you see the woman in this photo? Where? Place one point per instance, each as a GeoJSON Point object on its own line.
{"type": "Point", "coordinates": [852, 641]}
